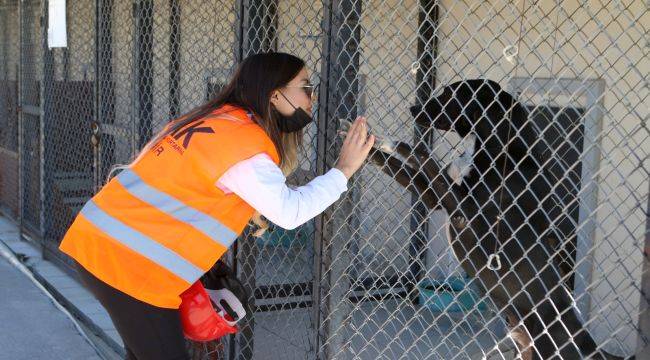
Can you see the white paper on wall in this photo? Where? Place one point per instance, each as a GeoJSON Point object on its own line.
{"type": "Point", "coordinates": [56, 29]}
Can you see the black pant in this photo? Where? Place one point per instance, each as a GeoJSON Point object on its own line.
{"type": "Point", "coordinates": [148, 332]}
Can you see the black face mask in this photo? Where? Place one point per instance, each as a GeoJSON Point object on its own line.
{"type": "Point", "coordinates": [294, 122]}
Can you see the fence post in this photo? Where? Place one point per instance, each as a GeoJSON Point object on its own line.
{"type": "Point", "coordinates": [19, 95]}
{"type": "Point", "coordinates": [260, 17]}
{"type": "Point", "coordinates": [426, 83]}
{"type": "Point", "coordinates": [143, 12]}
{"type": "Point", "coordinates": [30, 222]}
{"type": "Point", "coordinates": [333, 234]}
{"type": "Point", "coordinates": [46, 123]}
{"type": "Point", "coordinates": [324, 127]}
{"type": "Point", "coordinates": [643, 339]}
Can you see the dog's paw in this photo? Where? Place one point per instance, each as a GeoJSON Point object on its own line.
{"type": "Point", "coordinates": [469, 144]}
{"type": "Point", "coordinates": [344, 127]}
{"type": "Point", "coordinates": [386, 145]}
{"type": "Point", "coordinates": [459, 169]}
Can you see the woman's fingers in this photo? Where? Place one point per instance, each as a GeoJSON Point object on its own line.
{"type": "Point", "coordinates": [352, 131]}
{"type": "Point", "coordinates": [369, 143]}
{"type": "Point", "coordinates": [360, 130]}
{"type": "Point", "coordinates": [356, 147]}
{"type": "Point", "coordinates": [355, 126]}
{"type": "Point", "coordinates": [357, 134]}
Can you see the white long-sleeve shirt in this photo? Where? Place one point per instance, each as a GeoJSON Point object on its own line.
{"type": "Point", "coordinates": [261, 183]}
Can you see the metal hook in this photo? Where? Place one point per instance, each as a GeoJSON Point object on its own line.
{"type": "Point", "coordinates": [94, 137]}
{"type": "Point", "coordinates": [494, 262]}
{"type": "Point", "coordinates": [510, 53]}
{"type": "Point", "coordinates": [415, 67]}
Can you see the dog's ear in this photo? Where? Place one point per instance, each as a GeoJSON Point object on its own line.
{"type": "Point", "coordinates": [528, 133]}
{"type": "Point", "coordinates": [441, 111]}
{"type": "Point", "coordinates": [421, 119]}
{"type": "Point", "coordinates": [526, 141]}
{"type": "Point", "coordinates": [415, 110]}
{"type": "Point", "coordinates": [493, 99]}
{"type": "Point", "coordinates": [506, 99]}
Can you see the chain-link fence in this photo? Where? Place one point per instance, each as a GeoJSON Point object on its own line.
{"type": "Point", "coordinates": [507, 212]}
{"type": "Point", "coordinates": [9, 108]}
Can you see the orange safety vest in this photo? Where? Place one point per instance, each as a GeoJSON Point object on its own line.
{"type": "Point", "coordinates": [159, 225]}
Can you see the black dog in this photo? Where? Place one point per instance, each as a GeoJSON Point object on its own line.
{"type": "Point", "coordinates": [499, 214]}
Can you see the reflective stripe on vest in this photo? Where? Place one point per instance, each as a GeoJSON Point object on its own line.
{"type": "Point", "coordinates": [202, 222]}
{"type": "Point", "coordinates": [148, 247]}
{"type": "Point", "coordinates": [141, 243]}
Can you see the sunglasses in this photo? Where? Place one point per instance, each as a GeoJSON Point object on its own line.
{"type": "Point", "coordinates": [310, 90]}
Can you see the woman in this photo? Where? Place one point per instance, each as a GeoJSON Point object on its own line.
{"type": "Point", "coordinates": [159, 225]}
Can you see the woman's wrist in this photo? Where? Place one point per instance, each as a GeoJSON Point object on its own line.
{"type": "Point", "coordinates": [345, 170]}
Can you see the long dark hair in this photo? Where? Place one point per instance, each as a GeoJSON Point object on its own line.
{"type": "Point", "coordinates": [250, 88]}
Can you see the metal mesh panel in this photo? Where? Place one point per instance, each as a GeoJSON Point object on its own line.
{"type": "Point", "coordinates": [280, 265]}
{"type": "Point", "coordinates": [564, 64]}
{"type": "Point", "coordinates": [31, 76]}
{"type": "Point", "coordinates": [509, 132]}
{"type": "Point", "coordinates": [9, 48]}
{"type": "Point", "coordinates": [70, 114]}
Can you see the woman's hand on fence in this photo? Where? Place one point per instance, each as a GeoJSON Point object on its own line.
{"type": "Point", "coordinates": [355, 149]}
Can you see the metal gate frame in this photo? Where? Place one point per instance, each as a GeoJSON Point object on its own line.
{"type": "Point", "coordinates": [26, 109]}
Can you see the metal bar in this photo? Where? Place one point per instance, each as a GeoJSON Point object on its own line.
{"type": "Point", "coordinates": [31, 110]}
{"type": "Point", "coordinates": [342, 100]}
{"type": "Point", "coordinates": [45, 223]}
{"type": "Point", "coordinates": [643, 339]}
{"type": "Point", "coordinates": [21, 116]}
{"type": "Point", "coordinates": [238, 54]}
{"type": "Point", "coordinates": [4, 10]}
{"type": "Point", "coordinates": [174, 57]}
{"type": "Point", "coordinates": [105, 109]}
{"type": "Point", "coordinates": [247, 253]}
{"type": "Point", "coordinates": [321, 166]}
{"type": "Point", "coordinates": [114, 130]}
{"type": "Point", "coordinates": [256, 16]}
{"type": "Point", "coordinates": [593, 125]}
{"type": "Point", "coordinates": [240, 28]}
{"type": "Point", "coordinates": [97, 88]}
{"type": "Point", "coordinates": [7, 152]}
{"type": "Point", "coordinates": [426, 83]}
{"type": "Point", "coordinates": [144, 69]}
{"type": "Point", "coordinates": [28, 73]}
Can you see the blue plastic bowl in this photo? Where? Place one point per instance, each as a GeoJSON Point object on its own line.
{"type": "Point", "coordinates": [277, 236]}
{"type": "Point", "coordinates": [452, 295]}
